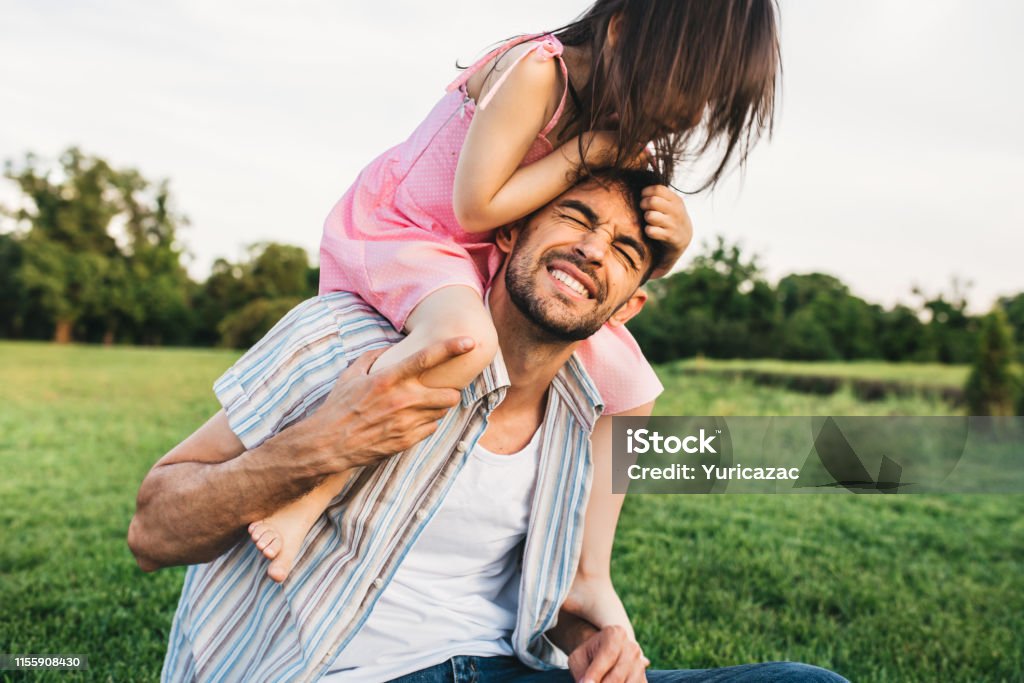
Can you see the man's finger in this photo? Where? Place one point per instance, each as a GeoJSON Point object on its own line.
{"type": "Point", "coordinates": [441, 399]}
{"type": "Point", "coordinates": [432, 356]}
{"type": "Point", "coordinates": [420, 433]}
{"type": "Point", "coordinates": [624, 671]}
{"type": "Point", "coordinates": [603, 661]}
{"type": "Point", "coordinates": [363, 363]}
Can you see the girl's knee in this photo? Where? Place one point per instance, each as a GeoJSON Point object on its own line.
{"type": "Point", "coordinates": [474, 324]}
{"type": "Point", "coordinates": [460, 371]}
{"type": "Point", "coordinates": [486, 343]}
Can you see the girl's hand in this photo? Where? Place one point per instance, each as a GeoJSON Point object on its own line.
{"type": "Point", "coordinates": [601, 147]}
{"type": "Point", "coordinates": [668, 222]}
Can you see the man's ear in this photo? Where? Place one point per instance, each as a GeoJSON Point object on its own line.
{"type": "Point", "coordinates": [629, 309]}
{"type": "Point", "coordinates": [505, 237]}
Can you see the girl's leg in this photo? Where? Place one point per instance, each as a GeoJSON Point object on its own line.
{"type": "Point", "coordinates": [455, 311]}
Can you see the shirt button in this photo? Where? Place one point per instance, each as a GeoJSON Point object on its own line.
{"type": "Point", "coordinates": [421, 514]}
{"type": "Point", "coordinates": [378, 582]}
{"type": "Point", "coordinates": [461, 446]}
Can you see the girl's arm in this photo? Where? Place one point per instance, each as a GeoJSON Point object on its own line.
{"type": "Point", "coordinates": [491, 189]}
{"type": "Point", "coordinates": [592, 595]}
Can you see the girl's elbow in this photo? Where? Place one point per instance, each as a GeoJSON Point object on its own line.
{"type": "Point", "coordinates": [472, 216]}
{"type": "Point", "coordinates": [470, 221]}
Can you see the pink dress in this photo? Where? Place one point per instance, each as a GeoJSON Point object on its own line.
{"type": "Point", "coordinates": [393, 238]}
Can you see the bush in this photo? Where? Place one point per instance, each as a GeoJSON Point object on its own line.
{"type": "Point", "coordinates": [246, 326]}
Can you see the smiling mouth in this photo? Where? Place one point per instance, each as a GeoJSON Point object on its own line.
{"type": "Point", "coordinates": [571, 283]}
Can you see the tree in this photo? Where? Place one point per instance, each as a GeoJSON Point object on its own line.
{"type": "Point", "coordinates": [238, 301]}
{"type": "Point", "coordinates": [1014, 307]}
{"type": "Point", "coordinates": [246, 326]}
{"type": "Point", "coordinates": [847, 321]}
{"type": "Point", "coordinates": [950, 328]}
{"type": "Point", "coordinates": [994, 384]}
{"type": "Point", "coordinates": [74, 273]}
{"type": "Point", "coordinates": [278, 270]}
{"type": "Point", "coordinates": [12, 303]}
{"type": "Point", "coordinates": [721, 306]}
{"type": "Point", "coordinates": [903, 337]}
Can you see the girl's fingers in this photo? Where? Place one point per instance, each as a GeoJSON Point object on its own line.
{"type": "Point", "coordinates": [658, 191]}
{"type": "Point", "coordinates": [657, 220]}
{"type": "Point", "coordinates": [656, 203]}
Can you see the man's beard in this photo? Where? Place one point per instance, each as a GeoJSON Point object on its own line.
{"type": "Point", "coordinates": [520, 276]}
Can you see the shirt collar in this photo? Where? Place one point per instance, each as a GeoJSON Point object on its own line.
{"type": "Point", "coordinates": [491, 384]}
{"type": "Point", "coordinates": [580, 393]}
{"type": "Point", "coordinates": [571, 381]}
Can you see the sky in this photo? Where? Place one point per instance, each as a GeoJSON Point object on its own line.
{"type": "Point", "coordinates": [896, 152]}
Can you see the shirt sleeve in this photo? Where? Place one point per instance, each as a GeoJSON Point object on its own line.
{"type": "Point", "coordinates": [289, 372]}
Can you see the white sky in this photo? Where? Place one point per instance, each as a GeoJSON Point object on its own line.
{"type": "Point", "coordinates": [897, 146]}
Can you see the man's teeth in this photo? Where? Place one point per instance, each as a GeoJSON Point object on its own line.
{"type": "Point", "coordinates": [570, 282]}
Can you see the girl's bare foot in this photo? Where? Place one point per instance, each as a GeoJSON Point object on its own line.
{"type": "Point", "coordinates": [279, 538]}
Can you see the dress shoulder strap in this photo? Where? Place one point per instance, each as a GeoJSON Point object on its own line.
{"type": "Point", "coordinates": [547, 47]}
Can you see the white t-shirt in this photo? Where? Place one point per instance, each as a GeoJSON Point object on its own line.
{"type": "Point", "coordinates": [457, 590]}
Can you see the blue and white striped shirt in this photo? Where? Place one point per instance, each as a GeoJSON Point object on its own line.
{"type": "Point", "coordinates": [235, 624]}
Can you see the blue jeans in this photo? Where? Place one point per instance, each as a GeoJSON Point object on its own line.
{"type": "Point", "coordinates": [508, 669]}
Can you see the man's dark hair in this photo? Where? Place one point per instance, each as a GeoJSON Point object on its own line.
{"type": "Point", "coordinates": [631, 182]}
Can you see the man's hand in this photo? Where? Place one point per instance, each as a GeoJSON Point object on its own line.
{"type": "Point", "coordinates": [197, 500]}
{"type": "Point", "coordinates": [608, 656]}
{"type": "Point", "coordinates": [367, 417]}
{"type": "Point", "coordinates": [668, 222]}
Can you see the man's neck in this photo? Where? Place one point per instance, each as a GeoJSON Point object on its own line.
{"type": "Point", "coordinates": [531, 362]}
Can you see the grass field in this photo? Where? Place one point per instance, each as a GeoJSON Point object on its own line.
{"type": "Point", "coordinates": [902, 588]}
{"type": "Point", "coordinates": [920, 374]}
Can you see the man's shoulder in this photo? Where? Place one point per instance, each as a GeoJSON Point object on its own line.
{"type": "Point", "coordinates": [340, 315]}
{"type": "Point", "coordinates": [287, 372]}
{"type": "Point", "coordinates": [340, 323]}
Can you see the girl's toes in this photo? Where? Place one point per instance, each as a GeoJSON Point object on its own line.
{"type": "Point", "coordinates": [272, 548]}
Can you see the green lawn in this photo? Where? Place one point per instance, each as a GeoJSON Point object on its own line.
{"type": "Point", "coordinates": [898, 588]}
{"type": "Point", "coordinates": [921, 374]}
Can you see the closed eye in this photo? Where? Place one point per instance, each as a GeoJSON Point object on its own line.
{"type": "Point", "coordinates": [626, 254]}
{"type": "Point", "coordinates": [574, 219]}
{"type": "Point", "coordinates": [627, 247]}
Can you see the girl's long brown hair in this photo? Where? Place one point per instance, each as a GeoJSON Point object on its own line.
{"type": "Point", "coordinates": [691, 76]}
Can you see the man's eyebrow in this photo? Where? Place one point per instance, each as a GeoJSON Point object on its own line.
{"type": "Point", "coordinates": [638, 245]}
{"type": "Point", "coordinates": [583, 208]}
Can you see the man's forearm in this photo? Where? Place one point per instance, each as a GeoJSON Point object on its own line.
{"type": "Point", "coordinates": [198, 499]}
{"type": "Point", "coordinates": [191, 512]}
{"type": "Point", "coordinates": [570, 632]}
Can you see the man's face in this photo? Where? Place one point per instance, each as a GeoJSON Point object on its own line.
{"type": "Point", "coordinates": [577, 261]}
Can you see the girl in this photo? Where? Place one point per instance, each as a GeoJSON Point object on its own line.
{"type": "Point", "coordinates": [413, 235]}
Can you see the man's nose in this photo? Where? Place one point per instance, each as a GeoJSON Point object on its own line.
{"type": "Point", "coordinates": [593, 247]}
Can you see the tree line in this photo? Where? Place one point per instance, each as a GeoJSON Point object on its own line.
{"type": "Point", "coordinates": [722, 306]}
{"type": "Point", "coordinates": [93, 255]}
